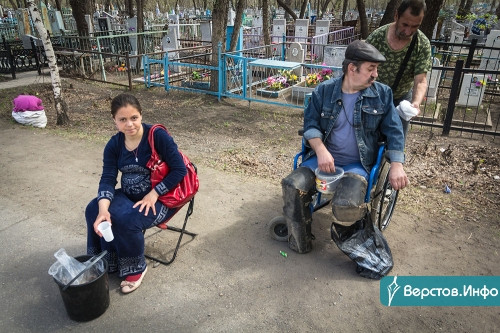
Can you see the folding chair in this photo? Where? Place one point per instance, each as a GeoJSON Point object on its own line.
{"type": "Point", "coordinates": [182, 231]}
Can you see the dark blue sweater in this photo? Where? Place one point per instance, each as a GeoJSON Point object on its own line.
{"type": "Point", "coordinates": [135, 177]}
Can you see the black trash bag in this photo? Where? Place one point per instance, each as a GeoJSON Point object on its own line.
{"type": "Point", "coordinates": [366, 246]}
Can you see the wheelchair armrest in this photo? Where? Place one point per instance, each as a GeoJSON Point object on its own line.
{"type": "Point", "coordinates": [301, 132]}
{"type": "Point", "coordinates": [374, 172]}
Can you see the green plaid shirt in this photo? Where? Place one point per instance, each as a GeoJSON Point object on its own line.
{"type": "Point", "coordinates": [420, 60]}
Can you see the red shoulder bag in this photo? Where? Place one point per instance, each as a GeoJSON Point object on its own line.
{"type": "Point", "coordinates": [182, 192]}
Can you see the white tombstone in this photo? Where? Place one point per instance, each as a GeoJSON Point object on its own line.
{"type": "Point", "coordinates": [457, 26]}
{"type": "Point", "coordinates": [301, 30]}
{"type": "Point", "coordinates": [490, 59]}
{"type": "Point", "coordinates": [471, 95]}
{"type": "Point", "coordinates": [456, 37]}
{"type": "Point", "coordinates": [295, 53]}
{"type": "Point", "coordinates": [321, 35]}
{"type": "Point", "coordinates": [279, 29]}
{"type": "Point", "coordinates": [132, 28]}
{"type": "Point", "coordinates": [433, 78]}
{"type": "Point", "coordinates": [169, 43]}
{"type": "Point", "coordinates": [257, 21]}
{"type": "Point", "coordinates": [173, 18]}
{"type": "Point", "coordinates": [322, 27]}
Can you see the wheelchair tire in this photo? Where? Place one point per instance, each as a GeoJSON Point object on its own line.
{"type": "Point", "coordinates": [278, 229]}
{"type": "Point", "coordinates": [384, 199]}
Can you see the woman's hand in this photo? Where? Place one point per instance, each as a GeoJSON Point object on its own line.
{"type": "Point", "coordinates": [148, 202]}
{"type": "Point", "coordinates": [101, 217]}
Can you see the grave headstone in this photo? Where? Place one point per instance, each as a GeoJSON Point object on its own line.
{"type": "Point", "coordinates": [45, 17]}
{"type": "Point", "coordinates": [104, 24]}
{"type": "Point", "coordinates": [471, 94]}
{"type": "Point", "coordinates": [257, 21]}
{"type": "Point", "coordinates": [56, 22]}
{"type": "Point", "coordinates": [490, 59]}
{"type": "Point", "coordinates": [1, 11]}
{"type": "Point", "coordinates": [169, 43]}
{"type": "Point", "coordinates": [295, 53]}
{"type": "Point", "coordinates": [334, 55]}
{"type": "Point", "coordinates": [90, 23]}
{"type": "Point", "coordinates": [458, 38]}
{"type": "Point", "coordinates": [132, 29]}
{"type": "Point", "coordinates": [279, 29]}
{"type": "Point", "coordinates": [321, 35]}
{"type": "Point", "coordinates": [433, 78]}
{"type": "Point", "coordinates": [23, 22]}
{"type": "Point", "coordinates": [206, 31]}
{"type": "Point", "coordinates": [301, 30]}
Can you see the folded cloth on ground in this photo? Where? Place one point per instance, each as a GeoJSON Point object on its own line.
{"type": "Point", "coordinates": [27, 103]}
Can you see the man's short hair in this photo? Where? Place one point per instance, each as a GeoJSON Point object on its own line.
{"type": "Point", "coordinates": [416, 7]}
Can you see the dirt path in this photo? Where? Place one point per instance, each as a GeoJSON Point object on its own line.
{"type": "Point", "coordinates": [232, 276]}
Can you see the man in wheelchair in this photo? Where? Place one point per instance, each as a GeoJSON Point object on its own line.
{"type": "Point", "coordinates": [344, 122]}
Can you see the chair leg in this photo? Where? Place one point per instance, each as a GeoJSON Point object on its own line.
{"type": "Point", "coordinates": [182, 231]}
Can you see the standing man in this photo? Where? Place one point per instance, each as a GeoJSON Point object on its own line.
{"type": "Point", "coordinates": [343, 125]}
{"type": "Point", "coordinates": [393, 41]}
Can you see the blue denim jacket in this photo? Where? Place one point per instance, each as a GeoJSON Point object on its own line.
{"type": "Point", "coordinates": [375, 119]}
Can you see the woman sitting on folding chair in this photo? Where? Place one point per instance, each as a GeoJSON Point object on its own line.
{"type": "Point", "coordinates": [135, 206]}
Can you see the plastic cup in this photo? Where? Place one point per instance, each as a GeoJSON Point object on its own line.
{"type": "Point", "coordinates": [105, 229]}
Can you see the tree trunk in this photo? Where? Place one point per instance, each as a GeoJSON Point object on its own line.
{"type": "Point", "coordinates": [430, 18]}
{"type": "Point", "coordinates": [60, 104]}
{"type": "Point", "coordinates": [303, 9]}
{"type": "Point", "coordinates": [140, 15]}
{"type": "Point", "coordinates": [344, 9]}
{"type": "Point", "coordinates": [79, 9]}
{"type": "Point", "coordinates": [219, 23]}
{"type": "Point", "coordinates": [129, 8]}
{"type": "Point", "coordinates": [287, 9]}
{"type": "Point", "coordinates": [363, 22]}
{"type": "Point", "coordinates": [58, 5]}
{"type": "Point", "coordinates": [237, 24]}
{"type": "Point", "coordinates": [497, 11]}
{"type": "Point", "coordinates": [390, 10]}
{"type": "Point", "coordinates": [13, 4]}
{"type": "Point", "coordinates": [265, 26]}
{"type": "Point", "coordinates": [324, 7]}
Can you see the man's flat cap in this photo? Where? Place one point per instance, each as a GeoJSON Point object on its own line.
{"type": "Point", "coordinates": [362, 51]}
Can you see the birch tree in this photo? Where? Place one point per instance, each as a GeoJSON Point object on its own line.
{"type": "Point", "coordinates": [60, 104]}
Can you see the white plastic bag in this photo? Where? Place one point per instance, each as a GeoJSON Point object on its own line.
{"type": "Point", "coordinates": [66, 268]}
{"type": "Point", "coordinates": [33, 118]}
{"type": "Point", "coordinates": [406, 110]}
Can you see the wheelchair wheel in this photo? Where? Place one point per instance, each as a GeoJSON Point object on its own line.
{"type": "Point", "coordinates": [384, 199]}
{"type": "Point", "coordinates": [278, 229]}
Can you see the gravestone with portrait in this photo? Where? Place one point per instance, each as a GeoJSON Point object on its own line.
{"type": "Point", "coordinates": [295, 53]}
{"type": "Point", "coordinates": [170, 43]}
{"type": "Point", "coordinates": [472, 90]}
{"type": "Point", "coordinates": [334, 56]}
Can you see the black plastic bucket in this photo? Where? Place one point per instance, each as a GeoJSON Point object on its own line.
{"type": "Point", "coordinates": [87, 301]}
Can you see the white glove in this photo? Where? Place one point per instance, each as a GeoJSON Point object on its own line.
{"type": "Point", "coordinates": [406, 110]}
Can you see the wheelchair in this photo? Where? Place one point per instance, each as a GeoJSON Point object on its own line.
{"type": "Point", "coordinates": [380, 198]}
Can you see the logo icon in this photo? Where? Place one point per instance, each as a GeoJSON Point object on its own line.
{"type": "Point", "coordinates": [392, 289]}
